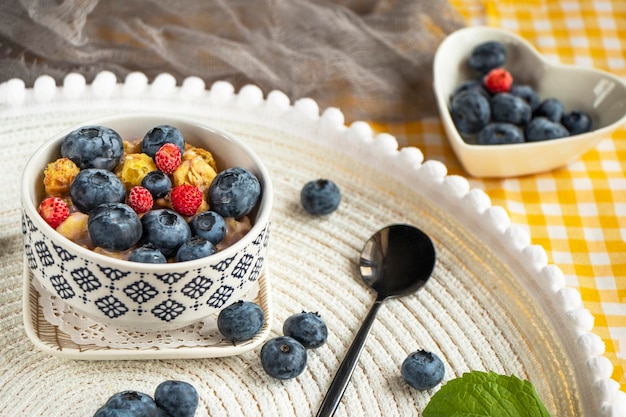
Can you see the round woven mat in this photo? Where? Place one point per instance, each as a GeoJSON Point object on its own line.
{"type": "Point", "coordinates": [474, 313]}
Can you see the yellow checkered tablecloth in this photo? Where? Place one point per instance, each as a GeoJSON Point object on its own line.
{"type": "Point", "coordinates": [577, 213]}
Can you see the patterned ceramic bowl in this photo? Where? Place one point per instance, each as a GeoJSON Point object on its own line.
{"type": "Point", "coordinates": [137, 295]}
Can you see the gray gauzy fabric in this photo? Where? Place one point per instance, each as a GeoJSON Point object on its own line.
{"type": "Point", "coordinates": [371, 58]}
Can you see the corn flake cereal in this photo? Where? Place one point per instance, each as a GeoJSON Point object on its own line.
{"type": "Point", "coordinates": [195, 170]}
{"type": "Point", "coordinates": [133, 168]}
{"type": "Point", "coordinates": [58, 176]}
{"type": "Point", "coordinates": [203, 153]}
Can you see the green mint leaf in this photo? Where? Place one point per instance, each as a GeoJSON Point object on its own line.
{"type": "Point", "coordinates": [486, 394]}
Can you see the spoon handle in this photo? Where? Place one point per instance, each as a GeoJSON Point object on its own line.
{"type": "Point", "coordinates": [342, 377]}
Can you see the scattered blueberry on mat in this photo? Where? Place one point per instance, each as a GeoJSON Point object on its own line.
{"type": "Point", "coordinates": [130, 404]}
{"type": "Point", "coordinates": [320, 197]}
{"type": "Point", "coordinates": [177, 398]}
{"type": "Point", "coordinates": [240, 321]}
{"type": "Point", "coordinates": [171, 399]}
{"type": "Point", "coordinates": [307, 328]}
{"type": "Point", "coordinates": [422, 370]}
{"type": "Point", "coordinates": [283, 357]}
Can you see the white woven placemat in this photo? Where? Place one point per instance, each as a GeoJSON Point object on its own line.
{"type": "Point", "coordinates": [493, 303]}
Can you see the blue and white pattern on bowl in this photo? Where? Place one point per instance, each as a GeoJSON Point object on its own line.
{"type": "Point", "coordinates": [153, 298]}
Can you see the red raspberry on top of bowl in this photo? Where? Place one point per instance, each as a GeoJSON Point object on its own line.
{"type": "Point", "coordinates": [168, 158]}
{"type": "Point", "coordinates": [54, 211]}
{"type": "Point", "coordinates": [186, 199]}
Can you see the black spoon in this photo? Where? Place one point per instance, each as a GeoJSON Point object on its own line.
{"type": "Point", "coordinates": [396, 261]}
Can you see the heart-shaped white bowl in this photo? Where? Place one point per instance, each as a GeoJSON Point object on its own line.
{"type": "Point", "coordinates": [596, 92]}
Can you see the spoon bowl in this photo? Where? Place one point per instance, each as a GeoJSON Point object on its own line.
{"type": "Point", "coordinates": [396, 261]}
{"type": "Point", "coordinates": [390, 254]}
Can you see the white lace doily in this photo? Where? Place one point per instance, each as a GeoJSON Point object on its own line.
{"type": "Point", "coordinates": [84, 330]}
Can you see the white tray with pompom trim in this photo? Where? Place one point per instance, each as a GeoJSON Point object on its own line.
{"type": "Point", "coordinates": [494, 303]}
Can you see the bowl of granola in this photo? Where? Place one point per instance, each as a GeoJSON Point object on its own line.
{"type": "Point", "coordinates": [149, 222]}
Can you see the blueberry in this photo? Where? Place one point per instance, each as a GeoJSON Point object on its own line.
{"type": "Point", "coordinates": [147, 254]}
{"type": "Point", "coordinates": [508, 108]}
{"type": "Point", "coordinates": [234, 192]}
{"type": "Point", "coordinates": [92, 187]}
{"type": "Point", "coordinates": [209, 225]}
{"type": "Point", "coordinates": [165, 229]}
{"type": "Point", "coordinates": [487, 56]}
{"type": "Point", "coordinates": [283, 357]}
{"type": "Point", "coordinates": [422, 370]}
{"type": "Point", "coordinates": [240, 321]}
{"type": "Point", "coordinates": [159, 136]}
{"type": "Point", "coordinates": [177, 398]}
{"type": "Point", "coordinates": [550, 108]}
{"type": "Point", "coordinates": [129, 404]}
{"type": "Point", "coordinates": [93, 147]}
{"type": "Point", "coordinates": [470, 111]}
{"type": "Point", "coordinates": [527, 93]}
{"type": "Point", "coordinates": [158, 183]}
{"type": "Point", "coordinates": [541, 128]}
{"type": "Point", "coordinates": [320, 197]}
{"type": "Point", "coordinates": [500, 134]}
{"type": "Point", "coordinates": [306, 328]}
{"type": "Point", "coordinates": [195, 248]}
{"type": "Point", "coordinates": [471, 85]}
{"type": "Point", "coordinates": [105, 411]}
{"type": "Point", "coordinates": [114, 226]}
{"type": "Point", "coordinates": [577, 122]}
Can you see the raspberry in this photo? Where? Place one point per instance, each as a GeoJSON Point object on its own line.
{"type": "Point", "coordinates": [498, 80]}
{"type": "Point", "coordinates": [168, 158]}
{"type": "Point", "coordinates": [140, 199]}
{"type": "Point", "coordinates": [54, 211]}
{"type": "Point", "coordinates": [186, 199]}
